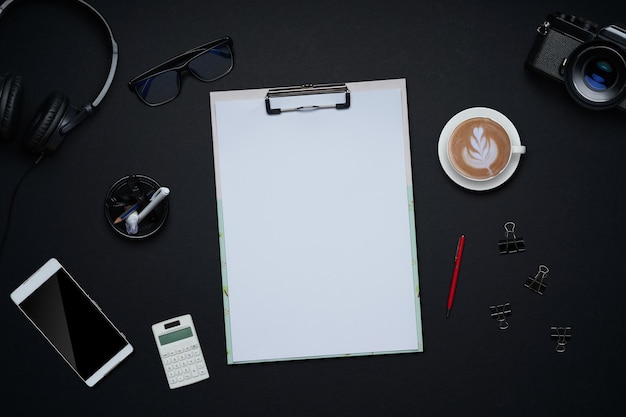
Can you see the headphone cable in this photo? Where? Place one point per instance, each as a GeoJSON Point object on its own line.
{"type": "Point", "coordinates": [12, 203]}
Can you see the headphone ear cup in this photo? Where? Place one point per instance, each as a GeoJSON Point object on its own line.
{"type": "Point", "coordinates": [10, 105]}
{"type": "Point", "coordinates": [43, 134]}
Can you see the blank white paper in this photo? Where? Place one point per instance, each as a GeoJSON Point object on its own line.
{"type": "Point", "coordinates": [317, 233]}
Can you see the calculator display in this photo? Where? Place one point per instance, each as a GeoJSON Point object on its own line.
{"type": "Point", "coordinates": [175, 336]}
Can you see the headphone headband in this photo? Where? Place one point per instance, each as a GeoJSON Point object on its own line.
{"type": "Point", "coordinates": [107, 84]}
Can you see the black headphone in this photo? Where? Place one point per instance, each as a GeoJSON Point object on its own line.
{"type": "Point", "coordinates": [56, 117]}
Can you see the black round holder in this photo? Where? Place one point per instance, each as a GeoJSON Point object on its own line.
{"type": "Point", "coordinates": [132, 193]}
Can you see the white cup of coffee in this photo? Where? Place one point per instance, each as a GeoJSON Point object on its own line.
{"type": "Point", "coordinates": [481, 144]}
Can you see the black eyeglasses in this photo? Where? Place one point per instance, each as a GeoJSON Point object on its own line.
{"type": "Point", "coordinates": [207, 63]}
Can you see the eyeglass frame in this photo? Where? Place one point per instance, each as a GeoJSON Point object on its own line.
{"type": "Point", "coordinates": [182, 68]}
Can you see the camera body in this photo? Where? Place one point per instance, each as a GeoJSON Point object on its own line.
{"type": "Point", "coordinates": [590, 61]}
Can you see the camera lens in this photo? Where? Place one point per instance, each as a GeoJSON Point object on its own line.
{"type": "Point", "coordinates": [599, 74]}
{"type": "Point", "coordinates": [595, 75]}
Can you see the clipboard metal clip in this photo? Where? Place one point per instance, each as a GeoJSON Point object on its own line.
{"type": "Point", "coordinates": [306, 90]}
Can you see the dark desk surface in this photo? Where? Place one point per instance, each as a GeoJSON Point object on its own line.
{"type": "Point", "coordinates": [566, 198]}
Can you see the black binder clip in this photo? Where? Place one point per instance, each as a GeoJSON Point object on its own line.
{"type": "Point", "coordinates": [307, 90]}
{"type": "Point", "coordinates": [511, 244]}
{"type": "Point", "coordinates": [536, 283]}
{"type": "Point", "coordinates": [500, 312]}
{"type": "Point", "coordinates": [561, 335]}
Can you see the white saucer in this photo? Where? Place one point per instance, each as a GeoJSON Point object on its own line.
{"type": "Point", "coordinates": [443, 148]}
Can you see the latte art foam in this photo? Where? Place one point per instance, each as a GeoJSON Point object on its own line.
{"type": "Point", "coordinates": [482, 152]}
{"type": "Point", "coordinates": [479, 148]}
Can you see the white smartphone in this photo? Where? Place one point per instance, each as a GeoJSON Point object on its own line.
{"type": "Point", "coordinates": [70, 320]}
{"type": "Point", "coordinates": [179, 349]}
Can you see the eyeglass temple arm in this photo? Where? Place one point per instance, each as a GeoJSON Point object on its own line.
{"type": "Point", "coordinates": [184, 57]}
{"type": "Point", "coordinates": [169, 64]}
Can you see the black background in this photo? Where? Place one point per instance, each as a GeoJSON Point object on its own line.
{"type": "Point", "coordinates": [566, 199]}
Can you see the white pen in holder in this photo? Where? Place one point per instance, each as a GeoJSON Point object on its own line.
{"type": "Point", "coordinates": [132, 221]}
{"type": "Point", "coordinates": [136, 206]}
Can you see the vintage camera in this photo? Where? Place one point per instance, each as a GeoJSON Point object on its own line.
{"type": "Point", "coordinates": [591, 62]}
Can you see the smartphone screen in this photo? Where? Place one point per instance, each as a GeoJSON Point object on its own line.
{"type": "Point", "coordinates": [72, 323]}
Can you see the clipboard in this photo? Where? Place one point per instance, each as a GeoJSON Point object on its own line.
{"type": "Point", "coordinates": [316, 221]}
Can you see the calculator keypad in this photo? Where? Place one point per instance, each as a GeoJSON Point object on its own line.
{"type": "Point", "coordinates": [184, 365]}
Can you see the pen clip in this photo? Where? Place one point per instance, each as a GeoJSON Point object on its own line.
{"type": "Point", "coordinates": [156, 193]}
{"type": "Point", "coordinates": [159, 191]}
{"type": "Point", "coordinates": [459, 248]}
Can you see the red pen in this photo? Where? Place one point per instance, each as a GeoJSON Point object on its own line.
{"type": "Point", "coordinates": [455, 273]}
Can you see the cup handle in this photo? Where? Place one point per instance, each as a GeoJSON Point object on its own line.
{"type": "Point", "coordinates": [518, 149]}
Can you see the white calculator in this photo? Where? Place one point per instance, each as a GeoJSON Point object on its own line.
{"type": "Point", "coordinates": [180, 351]}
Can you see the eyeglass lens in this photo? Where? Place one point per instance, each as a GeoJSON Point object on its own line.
{"type": "Point", "coordinates": [207, 66]}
